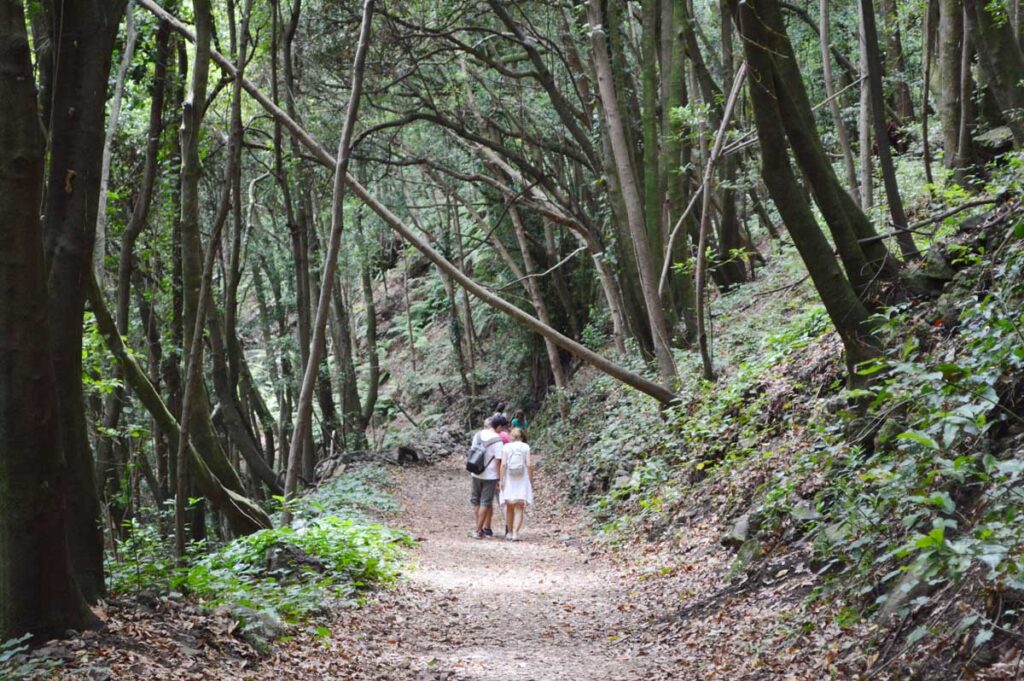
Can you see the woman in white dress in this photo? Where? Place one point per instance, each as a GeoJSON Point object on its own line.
{"type": "Point", "coordinates": [515, 484]}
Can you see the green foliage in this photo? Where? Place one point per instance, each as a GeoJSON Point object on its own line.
{"type": "Point", "coordinates": [924, 493]}
{"type": "Point", "coordinates": [332, 551]}
{"type": "Point", "coordinates": [334, 557]}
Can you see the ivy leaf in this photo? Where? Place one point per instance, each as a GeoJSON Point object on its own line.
{"type": "Point", "coordinates": [983, 636]}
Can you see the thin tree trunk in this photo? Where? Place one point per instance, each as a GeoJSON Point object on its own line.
{"type": "Point", "coordinates": [108, 144]}
{"type": "Point", "coordinates": [634, 207]}
{"type": "Point", "coordinates": [305, 405]}
{"type": "Point", "coordinates": [373, 380]}
{"type": "Point", "coordinates": [928, 40]}
{"type": "Point", "coordinates": [106, 468]}
{"type": "Point", "coordinates": [892, 191]}
{"type": "Point", "coordinates": [705, 215]}
{"type": "Point", "coordinates": [195, 419]}
{"type": "Point", "coordinates": [833, 104]}
{"type": "Point", "coordinates": [537, 298]}
{"type": "Point", "coordinates": [867, 182]}
{"type": "Point", "coordinates": [895, 64]}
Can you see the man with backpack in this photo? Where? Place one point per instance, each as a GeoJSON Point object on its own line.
{"type": "Point", "coordinates": [483, 463]}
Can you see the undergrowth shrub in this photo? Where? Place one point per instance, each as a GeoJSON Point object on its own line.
{"type": "Point", "coordinates": [332, 551]}
{"type": "Point", "coordinates": [923, 484]}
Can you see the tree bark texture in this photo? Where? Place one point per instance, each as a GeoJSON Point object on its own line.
{"type": "Point", "coordinates": [37, 591]}
{"type": "Point", "coordinates": [1001, 58]}
{"type": "Point", "coordinates": [84, 32]}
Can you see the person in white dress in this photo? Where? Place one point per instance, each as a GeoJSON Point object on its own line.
{"type": "Point", "coordinates": [515, 482]}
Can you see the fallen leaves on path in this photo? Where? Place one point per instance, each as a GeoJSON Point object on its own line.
{"type": "Point", "coordinates": [558, 605]}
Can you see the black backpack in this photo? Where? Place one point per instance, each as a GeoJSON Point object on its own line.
{"type": "Point", "coordinates": [475, 457]}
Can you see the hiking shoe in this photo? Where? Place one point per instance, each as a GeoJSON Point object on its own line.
{"type": "Point", "coordinates": [488, 532]}
{"type": "Point", "coordinates": [476, 534]}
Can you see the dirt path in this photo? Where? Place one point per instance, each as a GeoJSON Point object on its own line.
{"type": "Point", "coordinates": [541, 608]}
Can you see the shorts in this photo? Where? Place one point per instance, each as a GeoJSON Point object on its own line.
{"type": "Point", "coordinates": [482, 492]}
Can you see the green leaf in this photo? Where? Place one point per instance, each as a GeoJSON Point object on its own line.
{"type": "Point", "coordinates": [920, 438]}
{"type": "Point", "coordinates": [983, 636]}
{"type": "Point", "coordinates": [917, 634]}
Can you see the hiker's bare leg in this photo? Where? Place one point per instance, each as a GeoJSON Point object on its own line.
{"type": "Point", "coordinates": [510, 510]}
{"type": "Point", "coordinates": [480, 517]}
{"type": "Point", "coordinates": [520, 514]}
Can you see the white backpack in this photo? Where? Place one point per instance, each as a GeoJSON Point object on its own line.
{"type": "Point", "coordinates": [516, 463]}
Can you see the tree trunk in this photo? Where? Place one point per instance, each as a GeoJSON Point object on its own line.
{"type": "Point", "coordinates": [373, 380]}
{"type": "Point", "coordinates": [676, 176]}
{"type": "Point", "coordinates": [950, 52]}
{"type": "Point", "coordinates": [1002, 60]}
{"type": "Point", "coordinates": [892, 191]}
{"type": "Point", "coordinates": [833, 104]}
{"type": "Point", "coordinates": [895, 64]}
{"type": "Point", "coordinates": [195, 419]}
{"type": "Point", "coordinates": [108, 144]}
{"type": "Point", "coordinates": [928, 30]}
{"type": "Point", "coordinates": [106, 467]}
{"type": "Point", "coordinates": [863, 260]}
{"type": "Point", "coordinates": [305, 405]}
{"type": "Point", "coordinates": [848, 314]}
{"type": "Point", "coordinates": [867, 181]}
{"type": "Point", "coordinates": [37, 591]}
{"type": "Point", "coordinates": [540, 306]}
{"type": "Point", "coordinates": [85, 33]}
{"type": "Point", "coordinates": [631, 196]}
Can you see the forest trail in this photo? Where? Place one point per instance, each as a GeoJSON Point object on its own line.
{"type": "Point", "coordinates": [541, 608]}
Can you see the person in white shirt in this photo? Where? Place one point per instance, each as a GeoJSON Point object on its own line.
{"type": "Point", "coordinates": [515, 482]}
{"type": "Point", "coordinates": [484, 484]}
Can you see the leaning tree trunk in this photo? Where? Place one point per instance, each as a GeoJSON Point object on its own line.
{"type": "Point", "coordinates": [85, 33]}
{"type": "Point", "coordinates": [848, 314]}
{"type": "Point", "coordinates": [37, 591]}
{"type": "Point", "coordinates": [864, 256]}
